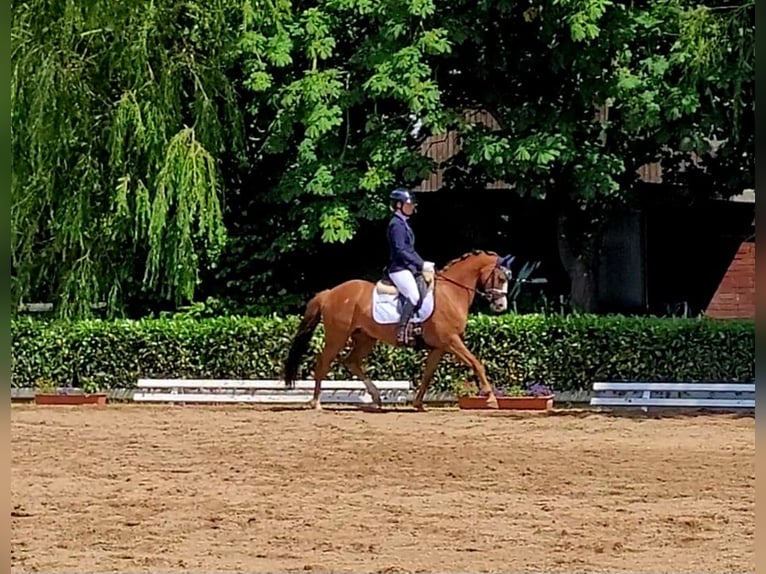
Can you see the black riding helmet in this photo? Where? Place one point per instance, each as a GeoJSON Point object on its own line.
{"type": "Point", "coordinates": [403, 195]}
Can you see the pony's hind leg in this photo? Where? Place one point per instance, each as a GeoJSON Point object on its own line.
{"type": "Point", "coordinates": [432, 361]}
{"type": "Point", "coordinates": [334, 342]}
{"type": "Point", "coordinates": [363, 345]}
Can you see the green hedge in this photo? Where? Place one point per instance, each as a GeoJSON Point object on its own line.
{"type": "Point", "coordinates": [566, 352]}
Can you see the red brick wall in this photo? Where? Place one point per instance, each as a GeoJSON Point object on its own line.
{"type": "Point", "coordinates": [735, 296]}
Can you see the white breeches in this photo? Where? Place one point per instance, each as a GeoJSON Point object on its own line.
{"type": "Point", "coordinates": [405, 282]}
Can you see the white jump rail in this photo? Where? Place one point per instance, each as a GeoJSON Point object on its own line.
{"type": "Point", "coordinates": [687, 395]}
{"type": "Point", "coordinates": [265, 391]}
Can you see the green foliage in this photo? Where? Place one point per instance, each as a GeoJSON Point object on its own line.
{"type": "Point", "coordinates": [139, 128]}
{"type": "Point", "coordinates": [337, 87]}
{"type": "Point", "coordinates": [333, 88]}
{"type": "Point", "coordinates": [673, 74]}
{"type": "Point", "coordinates": [565, 353]}
{"type": "Point", "coordinates": [120, 114]}
{"type": "Point", "coordinates": [585, 92]}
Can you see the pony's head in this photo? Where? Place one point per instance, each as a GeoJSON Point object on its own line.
{"type": "Point", "coordinates": [494, 280]}
{"type": "Point", "coordinates": [488, 274]}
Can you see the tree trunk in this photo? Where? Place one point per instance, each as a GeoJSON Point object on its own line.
{"type": "Point", "coordinates": [578, 251]}
{"type": "Point", "coordinates": [584, 289]}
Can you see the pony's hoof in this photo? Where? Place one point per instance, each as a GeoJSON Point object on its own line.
{"type": "Point", "coordinates": [492, 402]}
{"type": "Point", "coordinates": [316, 405]}
{"type": "Point", "coordinates": [419, 407]}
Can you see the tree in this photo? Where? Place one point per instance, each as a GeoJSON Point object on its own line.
{"type": "Point", "coordinates": [149, 137]}
{"type": "Point", "coordinates": [121, 113]}
{"type": "Point", "coordinates": [671, 74]}
{"type": "Point", "coordinates": [336, 98]}
{"type": "Point", "coordinates": [333, 89]}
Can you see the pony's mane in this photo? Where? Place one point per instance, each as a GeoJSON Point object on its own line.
{"type": "Point", "coordinates": [467, 255]}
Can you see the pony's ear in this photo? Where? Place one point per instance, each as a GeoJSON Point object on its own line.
{"type": "Point", "coordinates": [506, 261]}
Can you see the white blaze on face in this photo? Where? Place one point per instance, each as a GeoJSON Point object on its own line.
{"type": "Point", "coordinates": [501, 302]}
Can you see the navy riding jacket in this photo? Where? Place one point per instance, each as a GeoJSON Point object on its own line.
{"type": "Point", "coordinates": [401, 242]}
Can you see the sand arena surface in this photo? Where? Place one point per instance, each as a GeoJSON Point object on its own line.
{"type": "Point", "coordinates": [140, 488]}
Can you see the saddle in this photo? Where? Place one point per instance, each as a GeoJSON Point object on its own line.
{"type": "Point", "coordinates": [386, 287]}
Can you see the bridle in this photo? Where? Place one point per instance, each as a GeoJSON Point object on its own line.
{"type": "Point", "coordinates": [487, 294]}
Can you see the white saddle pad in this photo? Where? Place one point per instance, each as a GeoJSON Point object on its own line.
{"type": "Point", "coordinates": [384, 308]}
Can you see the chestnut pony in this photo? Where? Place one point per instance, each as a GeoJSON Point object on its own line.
{"type": "Point", "coordinates": [346, 311]}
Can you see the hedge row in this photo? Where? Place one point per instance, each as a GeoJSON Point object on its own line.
{"type": "Point", "coordinates": [567, 353]}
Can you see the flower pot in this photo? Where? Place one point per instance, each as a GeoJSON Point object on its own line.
{"type": "Point", "coordinates": [77, 399]}
{"type": "Point", "coordinates": [543, 403]}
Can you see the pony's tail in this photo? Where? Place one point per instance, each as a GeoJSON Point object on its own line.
{"type": "Point", "coordinates": [300, 343]}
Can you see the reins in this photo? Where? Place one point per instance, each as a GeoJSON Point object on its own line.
{"type": "Point", "coordinates": [486, 294]}
{"type": "Point", "coordinates": [483, 294]}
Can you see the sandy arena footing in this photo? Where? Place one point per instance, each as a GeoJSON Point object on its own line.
{"type": "Point", "coordinates": [193, 488]}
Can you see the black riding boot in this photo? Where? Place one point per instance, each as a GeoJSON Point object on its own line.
{"type": "Point", "coordinates": [408, 309]}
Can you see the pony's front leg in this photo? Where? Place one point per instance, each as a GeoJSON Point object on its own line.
{"type": "Point", "coordinates": [458, 348]}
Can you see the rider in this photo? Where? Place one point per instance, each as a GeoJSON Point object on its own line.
{"type": "Point", "coordinates": [405, 264]}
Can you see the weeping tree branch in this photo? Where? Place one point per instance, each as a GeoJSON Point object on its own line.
{"type": "Point", "coordinates": [120, 112]}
